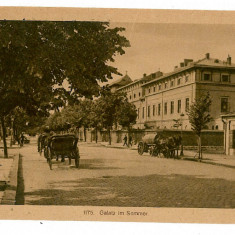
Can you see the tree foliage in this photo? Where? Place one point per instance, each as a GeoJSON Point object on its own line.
{"type": "Point", "coordinates": [38, 58]}
{"type": "Point", "coordinates": [199, 116]}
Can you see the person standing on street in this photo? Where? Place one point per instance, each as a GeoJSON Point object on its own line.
{"type": "Point", "coordinates": [22, 139]}
{"type": "Point", "coordinates": [125, 141]}
{"type": "Point", "coordinates": [130, 140]}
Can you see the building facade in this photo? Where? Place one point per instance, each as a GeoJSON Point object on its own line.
{"type": "Point", "coordinates": [162, 100]}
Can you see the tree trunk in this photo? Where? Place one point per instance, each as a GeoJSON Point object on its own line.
{"type": "Point", "coordinates": [85, 134]}
{"type": "Point", "coordinates": [4, 137]}
{"type": "Point", "coordinates": [109, 134]}
{"type": "Point", "coordinates": [96, 135]}
{"type": "Point", "coordinates": [199, 148]}
{"type": "Point", "coordinates": [128, 137]}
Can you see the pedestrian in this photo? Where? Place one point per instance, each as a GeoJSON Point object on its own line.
{"type": "Point", "coordinates": [22, 138]}
{"type": "Point", "coordinates": [130, 140]}
{"type": "Point", "coordinates": [125, 140]}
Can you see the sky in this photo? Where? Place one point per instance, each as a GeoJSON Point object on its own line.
{"type": "Point", "coordinates": [157, 46]}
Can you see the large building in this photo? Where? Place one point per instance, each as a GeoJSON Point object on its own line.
{"type": "Point", "coordinates": [163, 99]}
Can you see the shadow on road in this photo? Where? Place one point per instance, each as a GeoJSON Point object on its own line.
{"type": "Point", "coordinates": [96, 164]}
{"type": "Point", "coordinates": [141, 191]}
{"type": "Point", "coordinates": [20, 183]}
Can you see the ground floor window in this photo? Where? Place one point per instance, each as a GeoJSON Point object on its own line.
{"type": "Point", "coordinates": [159, 109]}
{"type": "Point", "coordinates": [224, 104]}
{"type": "Point", "coordinates": [148, 111]}
{"type": "Point", "coordinates": [172, 107]}
{"type": "Point", "coordinates": [179, 106]}
{"type": "Point", "coordinates": [186, 104]}
{"type": "Point", "coordinates": [165, 108]}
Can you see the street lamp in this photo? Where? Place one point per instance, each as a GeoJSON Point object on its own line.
{"type": "Point", "coordinates": [181, 123]}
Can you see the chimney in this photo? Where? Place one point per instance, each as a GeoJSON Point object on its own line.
{"type": "Point", "coordinates": [229, 60]}
{"type": "Point", "coordinates": [176, 67]}
{"type": "Point", "coordinates": [144, 75]}
{"type": "Point", "coordinates": [187, 61]}
{"type": "Point", "coordinates": [158, 74]}
{"type": "Point", "coordinates": [207, 55]}
{"type": "Point", "coordinates": [182, 64]}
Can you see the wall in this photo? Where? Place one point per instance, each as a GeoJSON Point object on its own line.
{"type": "Point", "coordinates": [209, 137]}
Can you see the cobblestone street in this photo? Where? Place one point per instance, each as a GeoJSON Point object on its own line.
{"type": "Point", "coordinates": [120, 177]}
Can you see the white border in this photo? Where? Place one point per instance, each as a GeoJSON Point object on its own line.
{"type": "Point", "coordinates": [138, 4]}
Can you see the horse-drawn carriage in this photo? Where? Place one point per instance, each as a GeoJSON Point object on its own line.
{"type": "Point", "coordinates": [64, 146]}
{"type": "Point", "coordinates": [159, 145]}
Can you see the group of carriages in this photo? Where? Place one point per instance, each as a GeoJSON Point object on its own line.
{"type": "Point", "coordinates": [59, 146]}
{"type": "Point", "coordinates": [158, 145]}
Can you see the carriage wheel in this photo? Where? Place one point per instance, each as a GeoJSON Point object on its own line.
{"type": "Point", "coordinates": [140, 148]}
{"type": "Point", "coordinates": [49, 158]}
{"type": "Point", "coordinates": [155, 151]}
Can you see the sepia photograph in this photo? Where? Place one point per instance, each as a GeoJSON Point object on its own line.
{"type": "Point", "coordinates": [124, 116]}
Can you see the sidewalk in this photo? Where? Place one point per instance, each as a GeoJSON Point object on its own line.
{"type": "Point", "coordinates": [8, 170]}
{"type": "Point", "coordinates": [5, 168]}
{"type": "Point", "coordinates": [211, 158]}
{"type": "Point", "coordinates": [189, 155]}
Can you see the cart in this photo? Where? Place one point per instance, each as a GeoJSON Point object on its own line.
{"type": "Point", "coordinates": [64, 146]}
{"type": "Point", "coordinates": [158, 145]}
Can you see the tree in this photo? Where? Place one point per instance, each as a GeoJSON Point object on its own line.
{"type": "Point", "coordinates": [199, 117]}
{"type": "Point", "coordinates": [95, 119]}
{"type": "Point", "coordinates": [37, 58]}
{"type": "Point", "coordinates": [126, 115]}
{"type": "Point", "coordinates": [108, 107]}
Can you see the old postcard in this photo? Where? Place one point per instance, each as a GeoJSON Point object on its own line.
{"type": "Point", "coordinates": [117, 115]}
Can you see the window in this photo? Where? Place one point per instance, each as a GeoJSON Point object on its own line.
{"type": "Point", "coordinates": [165, 85]}
{"type": "Point", "coordinates": [149, 90]}
{"type": "Point", "coordinates": [165, 108]}
{"type": "Point", "coordinates": [224, 104]}
{"type": "Point", "coordinates": [186, 104]}
{"type": "Point", "coordinates": [216, 127]}
{"type": "Point", "coordinates": [172, 83]}
{"type": "Point", "coordinates": [207, 77]}
{"type": "Point", "coordinates": [172, 107]}
{"type": "Point", "coordinates": [148, 111]}
{"type": "Point", "coordinates": [138, 113]}
{"type": "Point", "coordinates": [154, 110]}
{"type": "Point", "coordinates": [134, 95]}
{"type": "Point", "coordinates": [186, 78]}
{"type": "Point", "coordinates": [179, 106]}
{"type": "Point", "coordinates": [159, 110]}
{"type": "Point", "coordinates": [139, 94]}
{"type": "Point", "coordinates": [225, 78]}
{"type": "Point", "coordinates": [160, 87]}
{"type": "Point", "coordinates": [154, 89]}
{"type": "Point", "coordinates": [179, 81]}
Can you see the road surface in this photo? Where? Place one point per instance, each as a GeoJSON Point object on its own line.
{"type": "Point", "coordinates": [120, 177]}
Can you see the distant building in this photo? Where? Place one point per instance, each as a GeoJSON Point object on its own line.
{"type": "Point", "coordinates": [160, 99]}
{"type": "Point", "coordinates": [120, 83]}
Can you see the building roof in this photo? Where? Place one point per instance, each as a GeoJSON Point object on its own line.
{"type": "Point", "coordinates": [205, 62]}
{"type": "Point", "coordinates": [145, 78]}
{"type": "Point", "coordinates": [121, 81]}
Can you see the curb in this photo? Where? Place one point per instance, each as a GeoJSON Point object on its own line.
{"type": "Point", "coordinates": [210, 162]}
{"type": "Point", "coordinates": [118, 147]}
{"type": "Point", "coordinates": [9, 195]}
